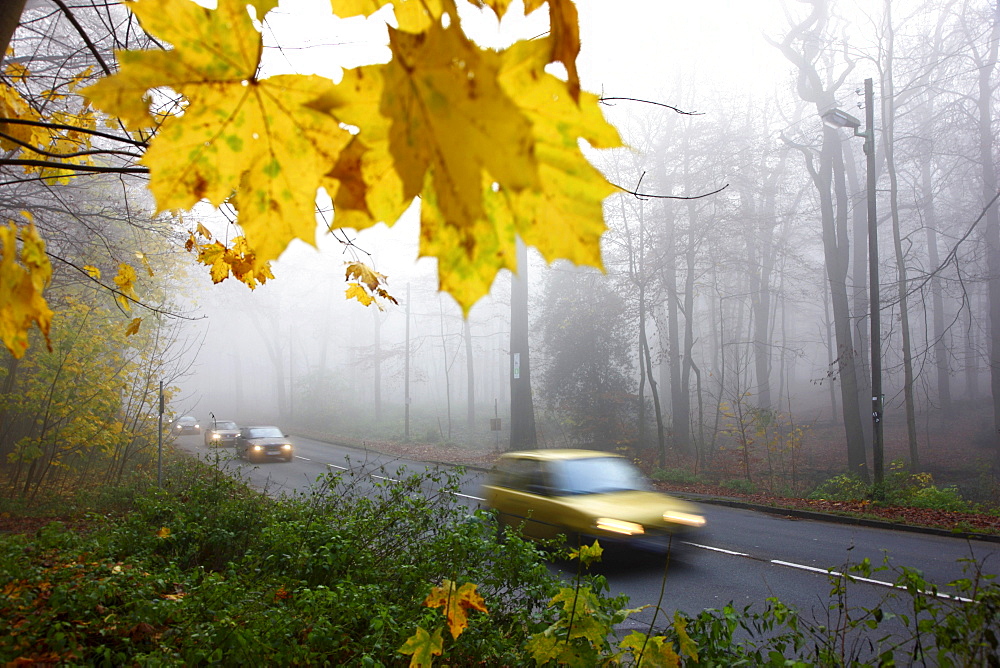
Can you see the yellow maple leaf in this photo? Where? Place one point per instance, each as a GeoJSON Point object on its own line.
{"type": "Point", "coordinates": [564, 26]}
{"type": "Point", "coordinates": [125, 280]}
{"type": "Point", "coordinates": [237, 261]}
{"type": "Point", "coordinates": [499, 7]}
{"type": "Point", "coordinates": [163, 532]}
{"type": "Point", "coordinates": [92, 271]}
{"type": "Point", "coordinates": [364, 273]}
{"type": "Point", "coordinates": [564, 218]}
{"type": "Point", "coordinates": [451, 121]}
{"type": "Point", "coordinates": [133, 327]}
{"type": "Point", "coordinates": [363, 183]}
{"type": "Point", "coordinates": [470, 256]}
{"type": "Point", "coordinates": [411, 15]}
{"type": "Point", "coordinates": [423, 647]}
{"type": "Point", "coordinates": [24, 276]}
{"type": "Point", "coordinates": [356, 291]}
{"type": "Point", "coordinates": [258, 137]}
{"type": "Point", "coordinates": [455, 601]}
{"type": "Point", "coordinates": [17, 135]}
{"type": "Point", "coordinates": [656, 651]}
{"type": "Point", "coordinates": [368, 286]}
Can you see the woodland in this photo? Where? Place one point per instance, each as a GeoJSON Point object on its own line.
{"type": "Point", "coordinates": [700, 298]}
{"type": "Point", "coordinates": [689, 285]}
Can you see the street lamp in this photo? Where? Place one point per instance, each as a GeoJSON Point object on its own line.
{"type": "Point", "coordinates": [836, 118]}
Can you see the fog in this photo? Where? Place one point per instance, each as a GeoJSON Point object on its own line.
{"type": "Point", "coordinates": [734, 291]}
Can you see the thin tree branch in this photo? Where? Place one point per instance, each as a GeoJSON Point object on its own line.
{"type": "Point", "coordinates": [65, 156]}
{"type": "Point", "coordinates": [605, 100]}
{"type": "Point", "coordinates": [83, 34]}
{"type": "Point", "coordinates": [75, 168]}
{"type": "Point", "coordinates": [121, 294]}
{"type": "Point", "coordinates": [638, 195]}
{"type": "Point", "coordinates": [74, 128]}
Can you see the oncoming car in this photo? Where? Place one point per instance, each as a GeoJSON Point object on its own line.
{"type": "Point", "coordinates": [262, 443]}
{"type": "Point", "coordinates": [584, 495]}
{"type": "Point", "coordinates": [187, 424]}
{"type": "Point", "coordinates": [222, 433]}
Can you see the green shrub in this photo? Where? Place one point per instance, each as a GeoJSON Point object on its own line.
{"type": "Point", "coordinates": [740, 485]}
{"type": "Point", "coordinates": [900, 488]}
{"type": "Point", "coordinates": [843, 487]}
{"type": "Point", "coordinates": [678, 476]}
{"type": "Point", "coordinates": [940, 498]}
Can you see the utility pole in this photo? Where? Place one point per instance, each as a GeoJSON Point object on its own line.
{"type": "Point", "coordinates": [873, 282]}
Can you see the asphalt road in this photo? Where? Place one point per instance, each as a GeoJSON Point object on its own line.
{"type": "Point", "coordinates": [741, 556]}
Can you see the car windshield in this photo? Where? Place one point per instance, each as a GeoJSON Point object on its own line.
{"type": "Point", "coordinates": [187, 419]}
{"type": "Point", "coordinates": [596, 475]}
{"type": "Point", "coordinates": [222, 424]}
{"type": "Point", "coordinates": [265, 432]}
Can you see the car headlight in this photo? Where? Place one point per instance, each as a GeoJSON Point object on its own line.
{"type": "Point", "coordinates": [684, 518]}
{"type": "Point", "coordinates": [197, 426]}
{"type": "Point", "coordinates": [619, 526]}
{"type": "Point", "coordinates": [256, 448]}
{"type": "Point", "coordinates": [286, 446]}
{"type": "Point", "coordinates": [216, 437]}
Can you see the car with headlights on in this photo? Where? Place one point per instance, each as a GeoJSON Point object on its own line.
{"type": "Point", "coordinates": [261, 443]}
{"type": "Point", "coordinates": [585, 494]}
{"type": "Point", "coordinates": [222, 433]}
{"type": "Point", "coordinates": [186, 424]}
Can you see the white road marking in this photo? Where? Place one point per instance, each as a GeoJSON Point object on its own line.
{"type": "Point", "coordinates": [858, 578]}
{"type": "Point", "coordinates": [717, 549]}
{"type": "Point", "coordinates": [303, 458]}
{"type": "Point", "coordinates": [334, 466]}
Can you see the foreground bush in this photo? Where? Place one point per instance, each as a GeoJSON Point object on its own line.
{"type": "Point", "coordinates": [209, 571]}
{"type": "Point", "coordinates": [206, 571]}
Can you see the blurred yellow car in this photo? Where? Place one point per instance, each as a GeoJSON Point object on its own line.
{"type": "Point", "coordinates": [585, 494]}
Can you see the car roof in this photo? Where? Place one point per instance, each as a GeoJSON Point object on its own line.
{"type": "Point", "coordinates": [557, 454]}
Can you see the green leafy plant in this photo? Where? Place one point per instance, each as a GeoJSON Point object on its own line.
{"type": "Point", "coordinates": [740, 485]}
{"type": "Point", "coordinates": [679, 476]}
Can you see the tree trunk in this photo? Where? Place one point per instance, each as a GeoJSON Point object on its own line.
{"type": "Point", "coordinates": [377, 363]}
{"type": "Point", "coordinates": [470, 378]}
{"type": "Point", "coordinates": [835, 250]}
{"type": "Point", "coordinates": [937, 300]}
{"type": "Point", "coordinates": [888, 142]}
{"type": "Point", "coordinates": [522, 409]}
{"type": "Point", "coordinates": [987, 67]}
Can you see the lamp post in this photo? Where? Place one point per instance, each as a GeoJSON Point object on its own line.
{"type": "Point", "coordinates": [837, 118]}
